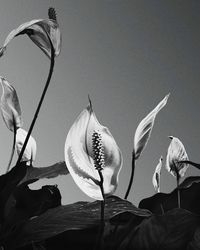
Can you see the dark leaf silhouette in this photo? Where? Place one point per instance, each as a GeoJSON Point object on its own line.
{"type": "Point", "coordinates": [189, 193]}
{"type": "Point", "coordinates": [189, 181]}
{"type": "Point", "coordinates": [195, 242]}
{"type": "Point", "coordinates": [172, 230]}
{"type": "Point", "coordinates": [77, 216]}
{"type": "Point", "coordinates": [8, 183]}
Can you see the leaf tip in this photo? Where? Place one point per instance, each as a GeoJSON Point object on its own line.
{"type": "Point", "coordinates": [89, 107]}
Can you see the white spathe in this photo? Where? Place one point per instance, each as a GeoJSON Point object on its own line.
{"type": "Point", "coordinates": [176, 153]}
{"type": "Point", "coordinates": [10, 107]}
{"type": "Point", "coordinates": [29, 154]}
{"type": "Point", "coordinates": [79, 156]}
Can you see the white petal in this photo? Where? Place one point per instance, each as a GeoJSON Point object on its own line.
{"type": "Point", "coordinates": [176, 152]}
{"type": "Point", "coordinates": [143, 130]}
{"type": "Point", "coordinates": [10, 107]}
{"type": "Point", "coordinates": [79, 156]}
{"type": "Point", "coordinates": [156, 176]}
{"type": "Point", "coordinates": [40, 31]}
{"type": "Point", "coordinates": [31, 147]}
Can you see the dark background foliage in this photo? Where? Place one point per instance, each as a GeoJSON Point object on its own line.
{"type": "Point", "coordinates": [35, 219]}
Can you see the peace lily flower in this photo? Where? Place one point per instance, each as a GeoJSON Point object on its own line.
{"type": "Point", "coordinates": [156, 176]}
{"type": "Point", "coordinates": [41, 32]}
{"type": "Point", "coordinates": [176, 153]}
{"type": "Point", "coordinates": [90, 148]}
{"type": "Point", "coordinates": [31, 147]}
{"type": "Point", "coordinates": [10, 107]}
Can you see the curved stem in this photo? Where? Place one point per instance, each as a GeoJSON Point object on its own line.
{"type": "Point", "coordinates": [13, 149]}
{"type": "Point", "coordinates": [131, 178]}
{"type": "Point", "coordinates": [40, 102]}
{"type": "Point", "coordinates": [99, 242]}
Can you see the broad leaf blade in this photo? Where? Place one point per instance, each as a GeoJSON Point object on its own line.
{"type": "Point", "coordinates": [173, 230]}
{"type": "Point", "coordinates": [77, 216]}
{"type": "Point", "coordinates": [52, 171]}
{"type": "Point", "coordinates": [189, 193]}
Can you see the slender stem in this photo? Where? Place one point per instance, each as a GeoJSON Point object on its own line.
{"type": "Point", "coordinates": [131, 178]}
{"type": "Point", "coordinates": [40, 102]}
{"type": "Point", "coordinates": [99, 242]}
{"type": "Point", "coordinates": [162, 209]}
{"type": "Point", "coordinates": [178, 191]}
{"type": "Point", "coordinates": [13, 149]}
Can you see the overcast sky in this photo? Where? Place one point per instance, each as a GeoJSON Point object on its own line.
{"type": "Point", "coordinates": [127, 55]}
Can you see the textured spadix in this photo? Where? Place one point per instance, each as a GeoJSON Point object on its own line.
{"type": "Point", "coordinates": [176, 153]}
{"type": "Point", "coordinates": [156, 176]}
{"type": "Point", "coordinates": [31, 147]}
{"type": "Point", "coordinates": [40, 32]}
{"type": "Point", "coordinates": [144, 128]}
{"type": "Point", "coordinates": [10, 108]}
{"type": "Point", "coordinates": [80, 155]}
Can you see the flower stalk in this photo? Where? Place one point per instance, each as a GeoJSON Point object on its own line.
{"type": "Point", "coordinates": [178, 190]}
{"type": "Point", "coordinates": [132, 176]}
{"type": "Point", "coordinates": [99, 164]}
{"type": "Point", "coordinates": [52, 62]}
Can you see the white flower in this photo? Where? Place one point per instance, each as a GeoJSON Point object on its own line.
{"type": "Point", "coordinates": [90, 146]}
{"type": "Point", "coordinates": [156, 176]}
{"type": "Point", "coordinates": [176, 153]}
{"type": "Point", "coordinates": [41, 32]}
{"type": "Point", "coordinates": [10, 108]}
{"type": "Point", "coordinates": [143, 130]}
{"type": "Point", "coordinates": [31, 147]}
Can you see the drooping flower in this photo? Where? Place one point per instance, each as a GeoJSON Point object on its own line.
{"type": "Point", "coordinates": [176, 153]}
{"type": "Point", "coordinates": [41, 32]}
{"type": "Point", "coordinates": [90, 147]}
{"type": "Point", "coordinates": [31, 147]}
{"type": "Point", "coordinates": [10, 107]}
{"type": "Point", "coordinates": [156, 176]}
{"type": "Point", "coordinates": [144, 128]}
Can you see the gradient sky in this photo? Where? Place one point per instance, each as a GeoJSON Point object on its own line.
{"type": "Point", "coordinates": [127, 55]}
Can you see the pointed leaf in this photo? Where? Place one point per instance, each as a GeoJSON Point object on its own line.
{"type": "Point", "coordinates": [10, 108]}
{"type": "Point", "coordinates": [52, 171]}
{"type": "Point", "coordinates": [144, 128]}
